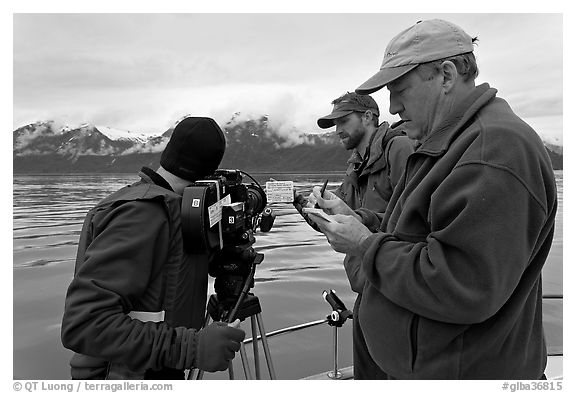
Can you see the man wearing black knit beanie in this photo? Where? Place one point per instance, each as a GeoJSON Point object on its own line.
{"type": "Point", "coordinates": [135, 307]}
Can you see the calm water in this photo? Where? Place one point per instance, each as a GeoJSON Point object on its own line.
{"type": "Point", "coordinates": [298, 266]}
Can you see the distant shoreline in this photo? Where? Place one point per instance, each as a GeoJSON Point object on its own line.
{"type": "Point", "coordinates": [132, 173]}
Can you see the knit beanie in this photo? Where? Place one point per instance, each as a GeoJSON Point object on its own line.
{"type": "Point", "coordinates": [195, 148]}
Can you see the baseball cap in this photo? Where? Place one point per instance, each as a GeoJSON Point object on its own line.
{"type": "Point", "coordinates": [347, 104]}
{"type": "Point", "coordinates": [424, 42]}
{"type": "Point", "coordinates": [195, 148]}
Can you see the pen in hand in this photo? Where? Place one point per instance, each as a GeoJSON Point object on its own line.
{"type": "Point", "coordinates": [323, 188]}
{"type": "Point", "coordinates": [322, 192]}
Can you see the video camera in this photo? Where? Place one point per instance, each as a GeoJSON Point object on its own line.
{"type": "Point", "coordinates": [220, 215]}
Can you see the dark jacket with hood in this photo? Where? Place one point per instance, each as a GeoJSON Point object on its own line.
{"type": "Point", "coordinates": [454, 287]}
{"type": "Point", "coordinates": [131, 260]}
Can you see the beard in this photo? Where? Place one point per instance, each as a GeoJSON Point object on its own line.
{"type": "Point", "coordinates": [352, 140]}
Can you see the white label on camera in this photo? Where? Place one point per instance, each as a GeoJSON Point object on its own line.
{"type": "Point", "coordinates": [195, 202]}
{"type": "Point", "coordinates": [215, 211]}
{"type": "Point", "coordinates": [279, 191]}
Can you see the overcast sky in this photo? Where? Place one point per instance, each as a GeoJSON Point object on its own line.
{"type": "Point", "coordinates": [142, 72]}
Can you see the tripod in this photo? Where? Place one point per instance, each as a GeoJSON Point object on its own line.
{"type": "Point", "coordinates": [246, 305]}
{"type": "Point", "coordinates": [249, 307]}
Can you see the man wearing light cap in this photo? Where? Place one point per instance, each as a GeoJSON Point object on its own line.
{"type": "Point", "coordinates": [135, 307]}
{"type": "Point", "coordinates": [379, 154]}
{"type": "Point", "coordinates": [453, 271]}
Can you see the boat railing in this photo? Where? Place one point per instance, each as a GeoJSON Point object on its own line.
{"type": "Point", "coordinates": [288, 329]}
{"type": "Point", "coordinates": [336, 320]}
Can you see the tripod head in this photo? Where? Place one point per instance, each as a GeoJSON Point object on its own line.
{"type": "Point", "coordinates": [233, 269]}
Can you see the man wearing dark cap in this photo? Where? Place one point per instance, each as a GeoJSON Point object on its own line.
{"type": "Point", "coordinates": [453, 284]}
{"type": "Point", "coordinates": [135, 307]}
{"type": "Point", "coordinates": [378, 158]}
{"type": "Point", "coordinates": [378, 151]}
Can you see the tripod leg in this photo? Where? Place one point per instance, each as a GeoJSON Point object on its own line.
{"type": "Point", "coordinates": [255, 346]}
{"type": "Point", "coordinates": [245, 364]}
{"type": "Point", "coordinates": [230, 369]}
{"type": "Point", "coordinates": [265, 345]}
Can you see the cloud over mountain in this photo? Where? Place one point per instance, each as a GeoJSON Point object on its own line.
{"type": "Point", "coordinates": [253, 143]}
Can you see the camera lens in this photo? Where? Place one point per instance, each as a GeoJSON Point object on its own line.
{"type": "Point", "coordinates": [256, 201]}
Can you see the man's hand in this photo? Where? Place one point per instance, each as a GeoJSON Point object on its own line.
{"type": "Point", "coordinates": [217, 345]}
{"type": "Point", "coordinates": [331, 204]}
{"type": "Point", "coordinates": [345, 233]}
{"type": "Point", "coordinates": [300, 202]}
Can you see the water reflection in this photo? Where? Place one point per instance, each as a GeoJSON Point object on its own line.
{"type": "Point", "coordinates": [298, 266]}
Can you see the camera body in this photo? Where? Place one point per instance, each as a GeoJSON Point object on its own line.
{"type": "Point", "coordinates": [219, 215]}
{"type": "Point", "coordinates": [241, 205]}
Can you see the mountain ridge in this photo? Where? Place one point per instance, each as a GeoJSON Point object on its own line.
{"type": "Point", "coordinates": [253, 145]}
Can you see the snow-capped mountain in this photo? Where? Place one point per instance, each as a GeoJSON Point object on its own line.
{"type": "Point", "coordinates": [252, 144]}
{"type": "Point", "coordinates": [46, 137]}
{"type": "Point", "coordinates": [553, 145]}
{"type": "Point", "coordinates": [117, 134]}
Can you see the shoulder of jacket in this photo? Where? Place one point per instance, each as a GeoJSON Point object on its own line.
{"type": "Point", "coordinates": [400, 142]}
{"type": "Point", "coordinates": [142, 192]}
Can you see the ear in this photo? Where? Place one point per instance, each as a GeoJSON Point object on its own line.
{"type": "Point", "coordinates": [367, 118]}
{"type": "Point", "coordinates": [449, 75]}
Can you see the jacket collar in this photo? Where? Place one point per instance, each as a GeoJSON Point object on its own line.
{"type": "Point", "coordinates": [150, 176]}
{"type": "Point", "coordinates": [440, 139]}
{"type": "Point", "coordinates": [355, 158]}
{"type": "Point", "coordinates": [375, 146]}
